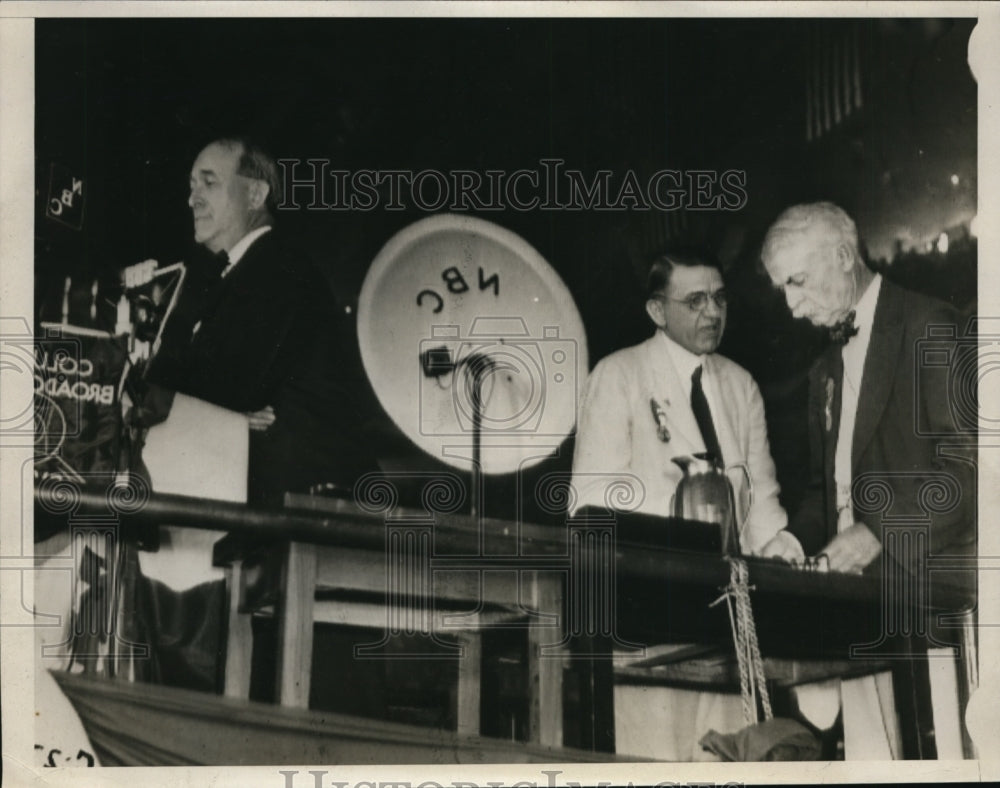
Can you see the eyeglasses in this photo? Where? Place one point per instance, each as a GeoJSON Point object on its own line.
{"type": "Point", "coordinates": [696, 302]}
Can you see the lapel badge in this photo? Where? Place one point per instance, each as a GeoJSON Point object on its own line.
{"type": "Point", "coordinates": [660, 417]}
{"type": "Point", "coordinates": [828, 410]}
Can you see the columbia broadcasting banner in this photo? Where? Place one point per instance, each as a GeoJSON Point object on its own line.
{"type": "Point", "coordinates": [77, 408]}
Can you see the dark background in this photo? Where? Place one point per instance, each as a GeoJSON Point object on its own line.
{"type": "Point", "coordinates": [127, 104]}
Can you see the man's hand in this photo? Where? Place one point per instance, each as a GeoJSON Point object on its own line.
{"type": "Point", "coordinates": [785, 546]}
{"type": "Point", "coordinates": [853, 549]}
{"type": "Point", "coordinates": [262, 419]}
{"type": "Point", "coordinates": [140, 274]}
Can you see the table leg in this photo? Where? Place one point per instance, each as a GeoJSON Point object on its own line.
{"type": "Point", "coordinates": [596, 680]}
{"type": "Point", "coordinates": [968, 673]}
{"type": "Point", "coordinates": [239, 636]}
{"type": "Point", "coordinates": [545, 661]}
{"type": "Point", "coordinates": [470, 683]}
{"type": "Point", "coordinates": [911, 688]}
{"type": "Point", "coordinates": [295, 625]}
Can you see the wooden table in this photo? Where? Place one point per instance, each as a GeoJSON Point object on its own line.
{"type": "Point", "coordinates": [403, 586]}
{"type": "Point", "coordinates": [447, 575]}
{"type": "Point", "coordinates": [546, 562]}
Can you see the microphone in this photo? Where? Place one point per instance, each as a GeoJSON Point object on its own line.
{"type": "Point", "coordinates": [436, 362]}
{"type": "Point", "coordinates": [141, 307]}
{"type": "Point", "coordinates": [149, 276]}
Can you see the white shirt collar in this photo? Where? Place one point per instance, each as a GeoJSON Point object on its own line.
{"type": "Point", "coordinates": [685, 362]}
{"type": "Point", "coordinates": [864, 310]}
{"type": "Point", "coordinates": [241, 246]}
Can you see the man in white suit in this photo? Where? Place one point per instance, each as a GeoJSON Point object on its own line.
{"type": "Point", "coordinates": [672, 396]}
{"type": "Point", "coordinates": [667, 397]}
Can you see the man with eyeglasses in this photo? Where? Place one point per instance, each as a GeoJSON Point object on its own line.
{"type": "Point", "coordinates": [667, 397]}
{"type": "Point", "coordinates": [672, 396]}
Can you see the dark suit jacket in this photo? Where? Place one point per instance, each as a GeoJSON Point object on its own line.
{"type": "Point", "coordinates": [270, 334]}
{"type": "Point", "coordinates": [911, 464]}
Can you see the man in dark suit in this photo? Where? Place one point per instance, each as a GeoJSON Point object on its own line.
{"type": "Point", "coordinates": [892, 476]}
{"type": "Point", "coordinates": [256, 330]}
{"type": "Point", "coordinates": [261, 334]}
{"type": "Point", "coordinates": [877, 426]}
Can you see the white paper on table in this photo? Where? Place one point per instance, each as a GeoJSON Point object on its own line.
{"type": "Point", "coordinates": [201, 450]}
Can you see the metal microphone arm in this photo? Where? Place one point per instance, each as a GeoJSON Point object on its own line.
{"type": "Point", "coordinates": [437, 362]}
{"type": "Point", "coordinates": [157, 273]}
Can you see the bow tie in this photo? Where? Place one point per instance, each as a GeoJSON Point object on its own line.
{"type": "Point", "coordinates": [843, 330]}
{"type": "Point", "coordinates": [219, 263]}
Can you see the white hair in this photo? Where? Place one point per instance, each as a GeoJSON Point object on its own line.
{"type": "Point", "coordinates": [818, 219]}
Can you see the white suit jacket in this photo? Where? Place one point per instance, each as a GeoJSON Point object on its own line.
{"type": "Point", "coordinates": [618, 448]}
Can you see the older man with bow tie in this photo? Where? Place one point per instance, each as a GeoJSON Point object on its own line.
{"type": "Point", "coordinates": [872, 416]}
{"type": "Point", "coordinates": [878, 430]}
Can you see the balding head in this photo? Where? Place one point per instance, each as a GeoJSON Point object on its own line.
{"type": "Point", "coordinates": [257, 164]}
{"type": "Point", "coordinates": [233, 184]}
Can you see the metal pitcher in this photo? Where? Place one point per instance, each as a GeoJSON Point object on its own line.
{"type": "Point", "coordinates": [705, 493]}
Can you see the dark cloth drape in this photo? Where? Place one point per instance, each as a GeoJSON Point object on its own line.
{"type": "Point", "coordinates": [141, 725]}
{"type": "Point", "coordinates": [185, 631]}
{"type": "Point", "coordinates": [777, 739]}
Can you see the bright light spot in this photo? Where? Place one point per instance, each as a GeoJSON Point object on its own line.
{"type": "Point", "coordinates": [954, 180]}
{"type": "Point", "coordinates": [347, 309]}
{"type": "Point", "coordinates": [974, 226]}
{"type": "Point", "coordinates": [535, 299]}
{"type": "Point", "coordinates": [942, 243]}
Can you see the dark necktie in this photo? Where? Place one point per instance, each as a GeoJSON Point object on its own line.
{"type": "Point", "coordinates": [219, 263]}
{"type": "Point", "coordinates": [832, 395]}
{"type": "Point", "coordinates": [703, 415]}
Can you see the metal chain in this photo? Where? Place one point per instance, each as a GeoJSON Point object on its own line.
{"type": "Point", "coordinates": [743, 597]}
{"type": "Point", "coordinates": [748, 713]}
{"type": "Point", "coordinates": [748, 659]}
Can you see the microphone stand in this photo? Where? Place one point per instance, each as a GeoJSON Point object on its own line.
{"type": "Point", "coordinates": [477, 366]}
{"type": "Point", "coordinates": [438, 362]}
